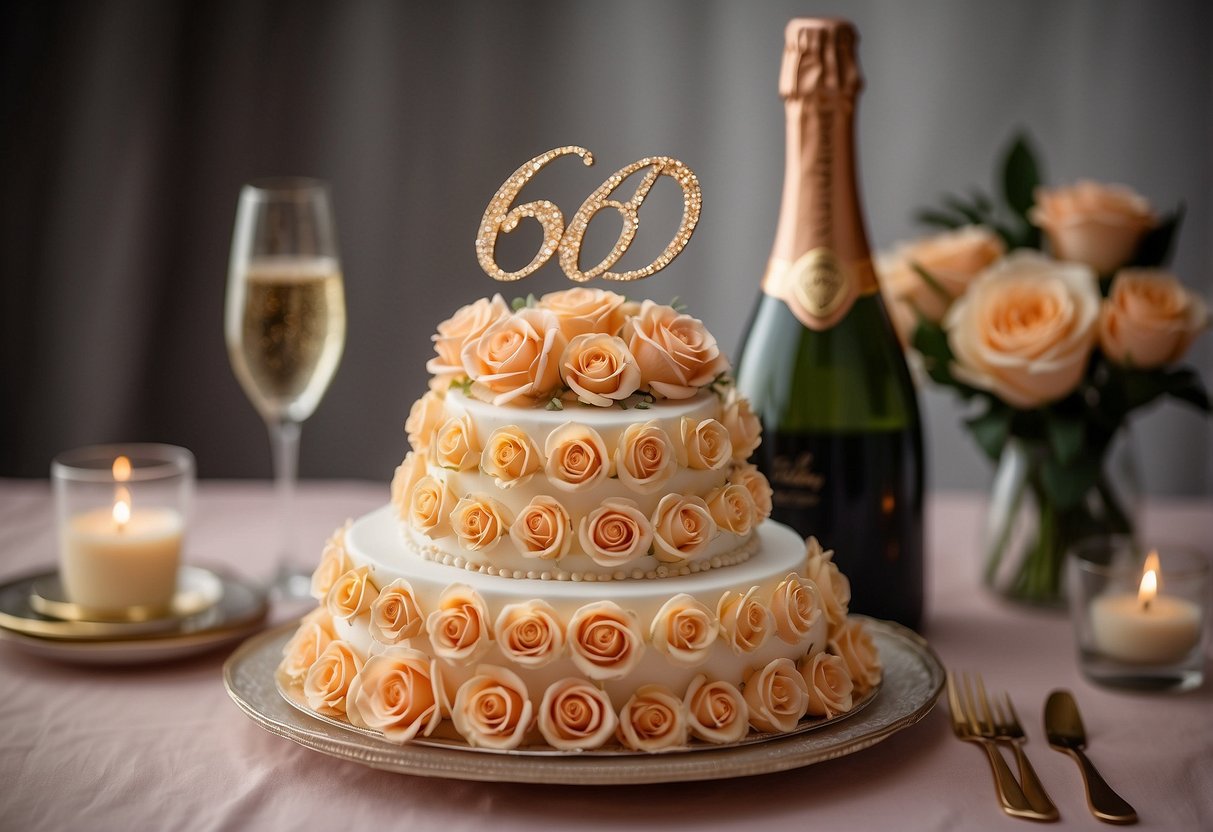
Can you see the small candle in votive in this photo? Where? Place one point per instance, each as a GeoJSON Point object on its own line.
{"type": "Point", "coordinates": [122, 556]}
{"type": "Point", "coordinates": [1147, 627]}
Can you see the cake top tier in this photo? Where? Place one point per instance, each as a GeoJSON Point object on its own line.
{"type": "Point", "coordinates": [586, 345]}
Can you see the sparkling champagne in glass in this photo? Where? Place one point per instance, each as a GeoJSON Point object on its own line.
{"type": "Point", "coordinates": [285, 326]}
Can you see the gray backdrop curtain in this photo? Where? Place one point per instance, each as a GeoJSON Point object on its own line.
{"type": "Point", "coordinates": [127, 128]}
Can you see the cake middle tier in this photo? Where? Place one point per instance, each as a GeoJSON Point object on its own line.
{"type": "Point", "coordinates": [579, 493]}
{"type": "Point", "coordinates": [765, 608]}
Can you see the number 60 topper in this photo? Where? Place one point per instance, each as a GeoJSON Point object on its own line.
{"type": "Point", "coordinates": [499, 217]}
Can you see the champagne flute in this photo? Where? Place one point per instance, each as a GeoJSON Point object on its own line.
{"type": "Point", "coordinates": [285, 327]}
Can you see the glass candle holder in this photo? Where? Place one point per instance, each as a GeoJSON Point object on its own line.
{"type": "Point", "coordinates": [1140, 615]}
{"type": "Point", "coordinates": [121, 512]}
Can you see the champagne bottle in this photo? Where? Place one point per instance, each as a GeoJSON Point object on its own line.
{"type": "Point", "coordinates": [820, 363]}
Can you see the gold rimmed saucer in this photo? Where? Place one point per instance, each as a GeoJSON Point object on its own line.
{"type": "Point", "coordinates": [224, 605]}
{"type": "Point", "coordinates": [197, 590]}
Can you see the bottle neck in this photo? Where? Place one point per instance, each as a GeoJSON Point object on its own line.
{"type": "Point", "coordinates": [820, 261]}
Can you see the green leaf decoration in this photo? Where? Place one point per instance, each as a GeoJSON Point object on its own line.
{"type": "Point", "coordinates": [1067, 436]}
{"type": "Point", "coordinates": [1020, 177]}
{"type": "Point", "coordinates": [555, 404]}
{"type": "Point", "coordinates": [677, 305]}
{"type": "Point", "coordinates": [929, 216]}
{"type": "Point", "coordinates": [1067, 484]}
{"type": "Point", "coordinates": [931, 341]}
{"type": "Point", "coordinates": [1155, 247]}
{"type": "Point", "coordinates": [991, 429]}
{"type": "Point", "coordinates": [932, 283]}
{"type": "Point", "coordinates": [971, 213]}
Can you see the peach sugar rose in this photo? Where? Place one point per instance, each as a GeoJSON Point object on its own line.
{"type": "Point", "coordinates": [830, 686]}
{"type": "Point", "coordinates": [334, 562]}
{"type": "Point", "coordinates": [424, 418]}
{"type": "Point", "coordinates": [576, 457]}
{"type": "Point", "coordinates": [399, 693]}
{"type": "Point", "coordinates": [756, 483]}
{"type": "Point", "coordinates": [952, 259]}
{"type": "Point", "coordinates": [328, 679]}
{"type": "Point", "coordinates": [599, 369]}
{"type": "Point", "coordinates": [1025, 329]}
{"type": "Point", "coordinates": [645, 457]}
{"type": "Point", "coordinates": [745, 431]}
{"type": "Point", "coordinates": [853, 644]}
{"type": "Point", "coordinates": [529, 633]}
{"type": "Point", "coordinates": [604, 640]}
{"type": "Point", "coordinates": [682, 528]}
{"type": "Point", "coordinates": [459, 629]}
{"type": "Point", "coordinates": [615, 533]}
{"type": "Point", "coordinates": [797, 606]}
{"type": "Point", "coordinates": [408, 473]}
{"type": "Point", "coordinates": [675, 352]}
{"type": "Point", "coordinates": [684, 630]}
{"type": "Point", "coordinates": [456, 446]}
{"type": "Point", "coordinates": [510, 457]}
{"type": "Point", "coordinates": [305, 646]}
{"type": "Point", "coordinates": [466, 325]}
{"type": "Point", "coordinates": [733, 509]}
{"type": "Point", "coordinates": [492, 709]}
{"type": "Point", "coordinates": [716, 711]}
{"type": "Point", "coordinates": [1149, 319]}
{"type": "Point", "coordinates": [653, 719]}
{"type": "Point", "coordinates": [707, 444]}
{"type": "Point", "coordinates": [430, 506]}
{"type": "Point", "coordinates": [582, 310]}
{"type": "Point", "coordinates": [517, 359]}
{"type": "Point", "coordinates": [575, 715]}
{"type": "Point", "coordinates": [543, 529]}
{"type": "Point", "coordinates": [1099, 225]}
{"type": "Point", "coordinates": [745, 622]}
{"type": "Point", "coordinates": [352, 594]}
{"type": "Point", "coordinates": [395, 614]}
{"type": "Point", "coordinates": [777, 696]}
{"type": "Point", "coordinates": [479, 522]}
{"type": "Point", "coordinates": [833, 586]}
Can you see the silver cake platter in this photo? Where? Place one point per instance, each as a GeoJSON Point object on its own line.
{"type": "Point", "coordinates": [913, 680]}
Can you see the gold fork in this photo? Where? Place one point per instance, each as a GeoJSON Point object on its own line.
{"type": "Point", "coordinates": [966, 727]}
{"type": "Point", "coordinates": [1008, 729]}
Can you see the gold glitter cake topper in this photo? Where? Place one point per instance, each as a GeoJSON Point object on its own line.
{"type": "Point", "coordinates": [499, 217]}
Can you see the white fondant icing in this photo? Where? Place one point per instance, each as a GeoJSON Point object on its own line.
{"type": "Point", "coordinates": [374, 541]}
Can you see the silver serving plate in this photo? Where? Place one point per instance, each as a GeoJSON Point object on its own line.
{"type": "Point", "coordinates": [913, 680]}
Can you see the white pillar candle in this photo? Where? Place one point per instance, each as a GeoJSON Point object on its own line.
{"type": "Point", "coordinates": [1146, 627]}
{"type": "Point", "coordinates": [108, 565]}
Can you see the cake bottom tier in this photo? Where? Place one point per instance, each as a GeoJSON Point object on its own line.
{"type": "Point", "coordinates": [520, 660]}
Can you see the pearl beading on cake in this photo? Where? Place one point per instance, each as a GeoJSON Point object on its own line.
{"type": "Point", "coordinates": [735, 556]}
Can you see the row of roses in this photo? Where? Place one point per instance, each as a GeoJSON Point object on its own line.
{"type": "Point", "coordinates": [401, 693]}
{"type": "Point", "coordinates": [596, 344]}
{"type": "Point", "coordinates": [575, 456]}
{"type": "Point", "coordinates": [604, 641]}
{"type": "Point", "coordinates": [612, 535]}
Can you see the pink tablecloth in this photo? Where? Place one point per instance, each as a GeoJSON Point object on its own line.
{"type": "Point", "coordinates": [164, 748]}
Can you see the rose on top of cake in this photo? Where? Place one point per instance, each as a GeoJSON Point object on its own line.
{"type": "Point", "coordinates": [579, 344]}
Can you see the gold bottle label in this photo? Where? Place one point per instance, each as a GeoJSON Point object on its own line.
{"type": "Point", "coordinates": [818, 286]}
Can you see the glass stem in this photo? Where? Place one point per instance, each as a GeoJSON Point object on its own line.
{"type": "Point", "coordinates": [284, 444]}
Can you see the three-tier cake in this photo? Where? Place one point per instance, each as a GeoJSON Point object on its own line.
{"type": "Point", "coordinates": [576, 552]}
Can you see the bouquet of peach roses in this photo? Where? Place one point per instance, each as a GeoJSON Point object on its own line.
{"type": "Point", "coordinates": [1053, 314]}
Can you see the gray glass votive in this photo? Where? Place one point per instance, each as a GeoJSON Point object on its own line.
{"type": "Point", "coordinates": [1140, 614]}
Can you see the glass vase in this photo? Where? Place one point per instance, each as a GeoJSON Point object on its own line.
{"type": "Point", "coordinates": [1027, 533]}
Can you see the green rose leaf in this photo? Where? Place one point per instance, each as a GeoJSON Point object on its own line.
{"type": "Point", "coordinates": [991, 428]}
{"type": "Point", "coordinates": [1020, 177]}
{"type": "Point", "coordinates": [1066, 484]}
{"type": "Point", "coordinates": [1067, 436]}
{"type": "Point", "coordinates": [1154, 250]}
{"type": "Point", "coordinates": [940, 219]}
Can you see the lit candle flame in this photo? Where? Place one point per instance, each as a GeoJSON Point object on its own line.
{"type": "Point", "coordinates": [1149, 582]}
{"type": "Point", "coordinates": [122, 469]}
{"type": "Point", "coordinates": [122, 508]}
